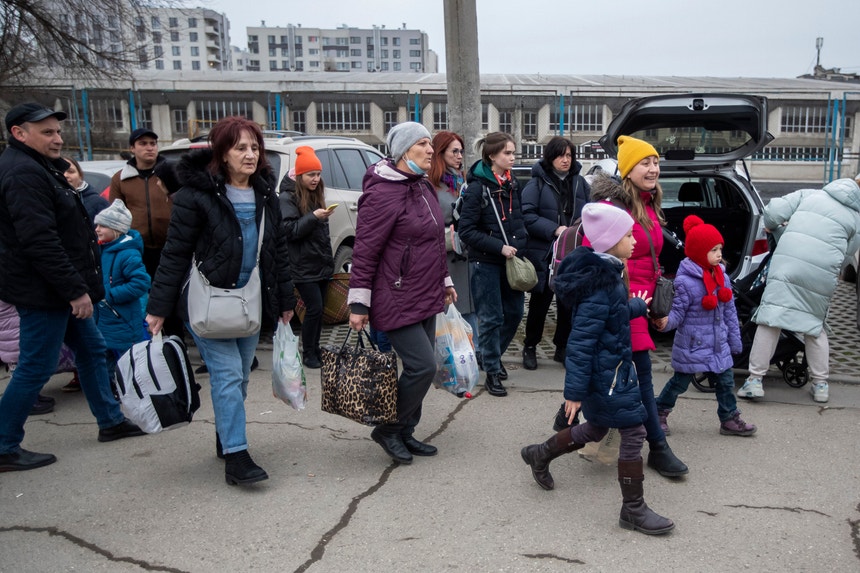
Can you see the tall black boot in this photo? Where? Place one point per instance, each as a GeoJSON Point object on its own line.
{"type": "Point", "coordinates": [662, 459]}
{"type": "Point", "coordinates": [635, 513]}
{"type": "Point", "coordinates": [219, 450]}
{"type": "Point", "coordinates": [560, 422]}
{"type": "Point", "coordinates": [538, 456]}
{"type": "Point", "coordinates": [241, 469]}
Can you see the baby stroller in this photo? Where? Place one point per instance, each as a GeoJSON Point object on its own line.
{"type": "Point", "coordinates": [747, 293]}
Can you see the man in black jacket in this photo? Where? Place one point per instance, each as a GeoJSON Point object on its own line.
{"type": "Point", "coordinates": [51, 272]}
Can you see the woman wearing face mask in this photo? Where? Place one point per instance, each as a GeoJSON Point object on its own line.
{"type": "Point", "coordinates": [399, 280]}
{"type": "Point", "coordinates": [640, 193]}
{"type": "Point", "coordinates": [93, 202]}
{"type": "Point", "coordinates": [499, 307]}
{"type": "Point", "coordinates": [309, 245]}
{"type": "Point", "coordinates": [447, 176]}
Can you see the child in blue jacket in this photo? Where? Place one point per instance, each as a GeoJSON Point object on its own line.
{"type": "Point", "coordinates": [119, 315]}
{"type": "Point", "coordinates": [703, 311]}
{"type": "Point", "coordinates": [600, 375]}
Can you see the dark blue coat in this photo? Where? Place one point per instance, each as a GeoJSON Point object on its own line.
{"type": "Point", "coordinates": [599, 360]}
{"type": "Point", "coordinates": [549, 202]}
{"type": "Point", "coordinates": [120, 314]}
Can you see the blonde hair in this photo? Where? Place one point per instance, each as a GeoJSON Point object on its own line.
{"type": "Point", "coordinates": [637, 206]}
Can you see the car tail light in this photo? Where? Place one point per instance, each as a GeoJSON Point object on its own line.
{"type": "Point", "coordinates": [759, 247]}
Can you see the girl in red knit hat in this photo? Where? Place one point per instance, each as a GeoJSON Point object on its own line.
{"type": "Point", "coordinates": [703, 311]}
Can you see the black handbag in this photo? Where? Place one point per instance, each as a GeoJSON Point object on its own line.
{"type": "Point", "coordinates": [664, 290]}
{"type": "Point", "coordinates": [359, 382]}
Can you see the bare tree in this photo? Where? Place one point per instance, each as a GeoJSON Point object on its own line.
{"type": "Point", "coordinates": [92, 39]}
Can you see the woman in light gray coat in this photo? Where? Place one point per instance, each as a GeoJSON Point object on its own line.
{"type": "Point", "coordinates": [815, 229]}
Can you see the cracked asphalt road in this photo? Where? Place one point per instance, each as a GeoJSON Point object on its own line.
{"type": "Point", "coordinates": [787, 499]}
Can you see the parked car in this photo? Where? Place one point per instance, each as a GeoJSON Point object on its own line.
{"type": "Point", "coordinates": [344, 163]}
{"type": "Point", "coordinates": [849, 274]}
{"type": "Point", "coordinates": [99, 173]}
{"type": "Point", "coordinates": [703, 140]}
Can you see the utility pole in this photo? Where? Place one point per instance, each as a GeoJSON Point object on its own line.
{"type": "Point", "coordinates": [462, 73]}
{"type": "Point", "coordinates": [819, 42]}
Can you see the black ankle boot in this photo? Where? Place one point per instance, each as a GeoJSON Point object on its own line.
{"type": "Point", "coordinates": [392, 444]}
{"type": "Point", "coordinates": [219, 450]}
{"type": "Point", "coordinates": [560, 422]}
{"type": "Point", "coordinates": [494, 385]}
{"type": "Point", "coordinates": [530, 358]}
{"type": "Point", "coordinates": [662, 459]}
{"type": "Point", "coordinates": [538, 456]}
{"type": "Point", "coordinates": [241, 469]}
{"type": "Point", "coordinates": [635, 513]}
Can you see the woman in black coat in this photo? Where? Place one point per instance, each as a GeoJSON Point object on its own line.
{"type": "Point", "coordinates": [226, 193]}
{"type": "Point", "coordinates": [309, 245]}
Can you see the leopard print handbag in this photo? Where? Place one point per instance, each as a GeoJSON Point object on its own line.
{"type": "Point", "coordinates": [359, 382]}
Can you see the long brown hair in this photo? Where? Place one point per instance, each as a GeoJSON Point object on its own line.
{"type": "Point", "coordinates": [637, 206]}
{"type": "Point", "coordinates": [309, 200]}
{"type": "Point", "coordinates": [441, 142]}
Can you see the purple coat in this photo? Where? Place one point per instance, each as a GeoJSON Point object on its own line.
{"type": "Point", "coordinates": [398, 263]}
{"type": "Point", "coordinates": [705, 339]}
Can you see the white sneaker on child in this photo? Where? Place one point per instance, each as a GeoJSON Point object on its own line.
{"type": "Point", "coordinates": [751, 389]}
{"type": "Point", "coordinates": [820, 391]}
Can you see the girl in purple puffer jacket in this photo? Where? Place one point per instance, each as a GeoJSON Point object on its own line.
{"type": "Point", "coordinates": [704, 314]}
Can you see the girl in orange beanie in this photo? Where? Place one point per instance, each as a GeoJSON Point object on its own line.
{"type": "Point", "coordinates": [704, 313]}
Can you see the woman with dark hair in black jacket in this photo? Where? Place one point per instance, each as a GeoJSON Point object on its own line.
{"type": "Point", "coordinates": [216, 219]}
{"type": "Point", "coordinates": [552, 200]}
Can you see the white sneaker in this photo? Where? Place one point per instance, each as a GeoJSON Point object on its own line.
{"type": "Point", "coordinates": [751, 389]}
{"type": "Point", "coordinates": [820, 392]}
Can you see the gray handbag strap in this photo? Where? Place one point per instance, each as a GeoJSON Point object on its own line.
{"type": "Point", "coordinates": [653, 254]}
{"type": "Point", "coordinates": [499, 219]}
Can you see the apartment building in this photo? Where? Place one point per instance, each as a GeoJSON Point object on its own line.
{"type": "Point", "coordinates": [193, 39]}
{"type": "Point", "coordinates": [345, 49]}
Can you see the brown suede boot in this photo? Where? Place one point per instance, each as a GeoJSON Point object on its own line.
{"type": "Point", "coordinates": [538, 456]}
{"type": "Point", "coordinates": [635, 513]}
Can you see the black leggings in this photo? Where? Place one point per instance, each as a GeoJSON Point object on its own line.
{"type": "Point", "coordinates": [632, 438]}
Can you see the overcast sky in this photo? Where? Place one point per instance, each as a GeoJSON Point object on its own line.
{"type": "Point", "coordinates": [726, 38]}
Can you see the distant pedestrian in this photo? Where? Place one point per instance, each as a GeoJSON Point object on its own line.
{"type": "Point", "coordinates": [600, 376]}
{"type": "Point", "coordinates": [51, 273]}
{"type": "Point", "coordinates": [93, 201]}
{"type": "Point", "coordinates": [704, 314]}
{"type": "Point", "coordinates": [814, 229]}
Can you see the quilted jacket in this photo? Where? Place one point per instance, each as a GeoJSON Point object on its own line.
{"type": "Point", "coordinates": [204, 224]}
{"type": "Point", "coordinates": [120, 315]}
{"type": "Point", "coordinates": [705, 339]}
{"type": "Point", "coordinates": [599, 370]}
{"type": "Point", "coordinates": [308, 239]}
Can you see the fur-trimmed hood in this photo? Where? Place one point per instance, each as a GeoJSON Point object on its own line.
{"type": "Point", "coordinates": [192, 171]}
{"type": "Point", "coordinates": [584, 272]}
{"type": "Point", "coordinates": [607, 188]}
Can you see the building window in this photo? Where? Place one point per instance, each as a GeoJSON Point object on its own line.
{"type": "Point", "coordinates": [173, 22]}
{"type": "Point", "coordinates": [786, 153]}
{"type": "Point", "coordinates": [192, 22]}
{"type": "Point", "coordinates": [106, 114]}
{"type": "Point", "coordinates": [174, 36]}
{"type": "Point", "coordinates": [414, 41]}
{"type": "Point", "coordinates": [383, 53]}
{"type": "Point", "coordinates": [313, 51]}
{"type": "Point", "coordinates": [273, 65]}
{"type": "Point", "coordinates": [314, 64]}
{"type": "Point", "coordinates": [395, 41]}
{"type": "Point", "coordinates": [356, 65]}
{"type": "Point", "coordinates": [804, 119]}
{"type": "Point", "coordinates": [335, 116]}
{"type": "Point", "coordinates": [389, 120]}
{"type": "Point", "coordinates": [298, 40]}
{"type": "Point", "coordinates": [273, 52]}
{"type": "Point", "coordinates": [342, 53]}
{"type": "Point", "coordinates": [383, 66]}
{"type": "Point", "coordinates": [395, 54]}
{"type": "Point", "coordinates": [587, 117]}
{"type": "Point", "coordinates": [177, 65]}
{"type": "Point", "coordinates": [192, 36]}
{"type": "Point", "coordinates": [530, 124]}
{"type": "Point", "coordinates": [209, 112]}
{"type": "Point", "coordinates": [156, 37]}
{"type": "Point", "coordinates": [180, 120]}
{"type": "Point", "coordinates": [383, 41]}
{"type": "Point", "coordinates": [144, 117]}
{"type": "Point", "coordinates": [195, 65]}
{"type": "Point", "coordinates": [355, 53]}
{"type": "Point", "coordinates": [440, 116]}
{"type": "Point", "coordinates": [355, 39]}
{"type": "Point", "coordinates": [158, 51]}
{"type": "Point", "coordinates": [342, 66]}
{"type": "Point", "coordinates": [271, 39]}
{"type": "Point", "coordinates": [285, 64]}
{"type": "Point", "coordinates": [485, 116]}
{"type": "Point", "coordinates": [195, 51]}
{"type": "Point", "coordinates": [142, 57]}
{"type": "Point", "coordinates": [155, 23]}
{"type": "Point", "coordinates": [414, 53]}
{"type": "Point", "coordinates": [176, 50]}
{"type": "Point", "coordinates": [300, 65]}
{"type": "Point", "coordinates": [341, 41]}
{"type": "Point", "coordinates": [159, 64]}
{"type": "Point", "coordinates": [253, 65]}
{"type": "Point", "coordinates": [531, 151]}
{"type": "Point", "coordinates": [311, 40]}
{"type": "Point", "coordinates": [299, 123]}
{"type": "Point", "coordinates": [415, 66]}
{"type": "Point", "coordinates": [395, 66]}
{"type": "Point", "coordinates": [506, 121]}
{"type": "Point", "coordinates": [285, 52]}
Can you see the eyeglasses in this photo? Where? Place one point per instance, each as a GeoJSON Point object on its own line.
{"type": "Point", "coordinates": [457, 152]}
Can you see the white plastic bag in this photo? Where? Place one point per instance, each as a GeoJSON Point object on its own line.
{"type": "Point", "coordinates": [455, 354]}
{"type": "Point", "coordinates": [288, 376]}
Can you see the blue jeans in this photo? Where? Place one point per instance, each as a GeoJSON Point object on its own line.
{"type": "Point", "coordinates": [42, 335]}
{"type": "Point", "coordinates": [642, 360]}
{"type": "Point", "coordinates": [499, 309]}
{"type": "Point", "coordinates": [724, 385]}
{"type": "Point", "coordinates": [229, 363]}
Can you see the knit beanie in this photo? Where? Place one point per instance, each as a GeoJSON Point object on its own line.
{"type": "Point", "coordinates": [306, 160]}
{"type": "Point", "coordinates": [605, 225]}
{"type": "Point", "coordinates": [631, 151]}
{"type": "Point", "coordinates": [700, 239]}
{"type": "Point", "coordinates": [116, 217]}
{"type": "Point", "coordinates": [403, 136]}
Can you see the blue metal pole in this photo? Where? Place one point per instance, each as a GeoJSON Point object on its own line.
{"type": "Point", "coordinates": [417, 110]}
{"type": "Point", "coordinates": [279, 122]}
{"type": "Point", "coordinates": [561, 115]}
{"type": "Point", "coordinates": [85, 103]}
{"type": "Point", "coordinates": [132, 110]}
{"type": "Point", "coordinates": [78, 124]}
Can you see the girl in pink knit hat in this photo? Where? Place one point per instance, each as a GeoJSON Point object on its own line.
{"type": "Point", "coordinates": [704, 313]}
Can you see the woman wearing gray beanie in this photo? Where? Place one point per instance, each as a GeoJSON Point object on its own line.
{"type": "Point", "coordinates": [399, 280]}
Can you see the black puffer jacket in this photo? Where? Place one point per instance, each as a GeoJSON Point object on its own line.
{"type": "Point", "coordinates": [308, 240]}
{"type": "Point", "coordinates": [203, 224]}
{"type": "Point", "coordinates": [49, 253]}
{"type": "Point", "coordinates": [479, 227]}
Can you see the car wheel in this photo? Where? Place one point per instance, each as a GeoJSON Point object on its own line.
{"type": "Point", "coordinates": [343, 259]}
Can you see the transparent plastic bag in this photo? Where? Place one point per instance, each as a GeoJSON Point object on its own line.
{"type": "Point", "coordinates": [288, 375]}
{"type": "Point", "coordinates": [455, 354]}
